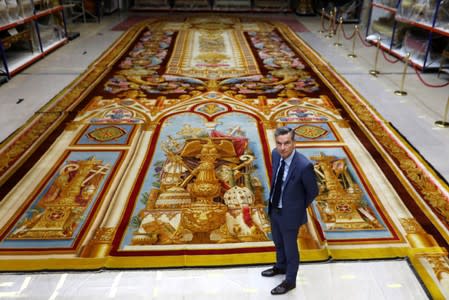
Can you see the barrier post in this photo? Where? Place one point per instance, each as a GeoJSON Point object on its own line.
{"type": "Point", "coordinates": [331, 26]}
{"type": "Point", "coordinates": [352, 54]}
{"type": "Point", "coordinates": [444, 123]}
{"type": "Point", "coordinates": [337, 42]}
{"type": "Point", "coordinates": [374, 71]}
{"type": "Point", "coordinates": [335, 20]}
{"type": "Point", "coordinates": [401, 91]}
{"type": "Point", "coordinates": [322, 21]}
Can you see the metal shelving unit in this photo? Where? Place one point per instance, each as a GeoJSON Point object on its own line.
{"type": "Point", "coordinates": [418, 27]}
{"type": "Point", "coordinates": [28, 37]}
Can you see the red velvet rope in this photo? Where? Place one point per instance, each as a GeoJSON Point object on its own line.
{"type": "Point", "coordinates": [387, 59]}
{"type": "Point", "coordinates": [429, 84]}
{"type": "Point", "coordinates": [334, 26]}
{"type": "Point", "coordinates": [344, 33]}
{"type": "Point", "coordinates": [363, 40]}
{"type": "Point", "coordinates": [326, 29]}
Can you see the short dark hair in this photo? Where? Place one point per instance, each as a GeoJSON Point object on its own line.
{"type": "Point", "coordinates": [284, 130]}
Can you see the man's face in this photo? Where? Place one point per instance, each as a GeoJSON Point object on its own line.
{"type": "Point", "coordinates": [285, 145]}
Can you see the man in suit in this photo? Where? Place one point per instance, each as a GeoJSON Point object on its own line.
{"type": "Point", "coordinates": [293, 188]}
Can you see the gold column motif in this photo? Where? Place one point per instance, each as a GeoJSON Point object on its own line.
{"type": "Point", "coordinates": [439, 264]}
{"type": "Point", "coordinates": [100, 244]}
{"type": "Point", "coordinates": [416, 235]}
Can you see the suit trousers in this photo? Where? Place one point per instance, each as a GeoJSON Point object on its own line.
{"type": "Point", "coordinates": [285, 241]}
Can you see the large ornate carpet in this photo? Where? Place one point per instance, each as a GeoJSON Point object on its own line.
{"type": "Point", "coordinates": [158, 156]}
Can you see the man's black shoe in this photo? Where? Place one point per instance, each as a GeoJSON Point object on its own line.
{"type": "Point", "coordinates": [283, 288]}
{"type": "Point", "coordinates": [272, 272]}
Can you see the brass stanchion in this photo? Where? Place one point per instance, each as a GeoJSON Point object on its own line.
{"type": "Point", "coordinates": [334, 21]}
{"type": "Point", "coordinates": [444, 123]}
{"type": "Point", "coordinates": [374, 71]}
{"type": "Point", "coordinates": [352, 54]}
{"type": "Point", "coordinates": [401, 92]}
{"type": "Point", "coordinates": [322, 22]}
{"type": "Point", "coordinates": [337, 42]}
{"type": "Point", "coordinates": [331, 26]}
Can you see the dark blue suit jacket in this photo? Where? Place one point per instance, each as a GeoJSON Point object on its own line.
{"type": "Point", "coordinates": [300, 189]}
